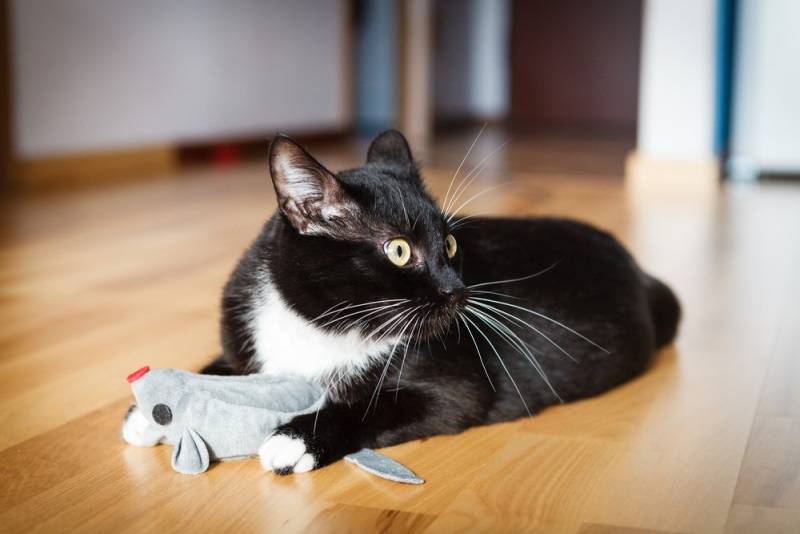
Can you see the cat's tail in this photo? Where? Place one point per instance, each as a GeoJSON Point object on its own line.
{"type": "Point", "coordinates": [665, 310]}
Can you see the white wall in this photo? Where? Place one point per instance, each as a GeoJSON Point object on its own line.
{"type": "Point", "coordinates": [101, 74]}
{"type": "Point", "coordinates": [490, 67]}
{"type": "Point", "coordinates": [677, 81]}
{"type": "Point", "coordinates": [766, 111]}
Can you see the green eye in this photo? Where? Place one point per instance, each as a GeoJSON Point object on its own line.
{"type": "Point", "coordinates": [398, 251]}
{"type": "Point", "coordinates": [450, 246]}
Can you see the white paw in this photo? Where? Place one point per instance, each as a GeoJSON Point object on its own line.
{"type": "Point", "coordinates": [285, 455]}
{"type": "Point", "coordinates": [137, 430]}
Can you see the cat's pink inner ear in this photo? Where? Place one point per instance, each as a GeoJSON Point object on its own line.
{"type": "Point", "coordinates": [296, 174]}
{"type": "Point", "coordinates": [298, 182]}
{"type": "Point", "coordinates": [308, 194]}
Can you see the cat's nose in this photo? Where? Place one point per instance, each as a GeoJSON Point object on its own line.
{"type": "Point", "coordinates": [453, 295]}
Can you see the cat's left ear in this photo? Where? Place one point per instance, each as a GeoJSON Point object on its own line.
{"type": "Point", "coordinates": [390, 147]}
{"type": "Point", "coordinates": [309, 195]}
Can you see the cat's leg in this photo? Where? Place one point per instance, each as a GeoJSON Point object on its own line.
{"type": "Point", "coordinates": [315, 440]}
{"type": "Point", "coordinates": [137, 430]}
{"type": "Point", "coordinates": [285, 454]}
{"type": "Point", "coordinates": [220, 367]}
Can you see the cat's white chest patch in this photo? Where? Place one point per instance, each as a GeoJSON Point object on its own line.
{"type": "Point", "coordinates": [286, 343]}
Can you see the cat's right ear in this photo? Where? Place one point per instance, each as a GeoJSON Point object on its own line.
{"type": "Point", "coordinates": [309, 195]}
{"type": "Point", "coordinates": [390, 147]}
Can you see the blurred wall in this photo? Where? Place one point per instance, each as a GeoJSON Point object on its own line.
{"type": "Point", "coordinates": [766, 111]}
{"type": "Point", "coordinates": [469, 74]}
{"type": "Point", "coordinates": [93, 75]}
{"type": "Point", "coordinates": [471, 47]}
{"type": "Point", "coordinates": [377, 44]}
{"type": "Point", "coordinates": [677, 81]}
{"type": "Point", "coordinates": [6, 158]}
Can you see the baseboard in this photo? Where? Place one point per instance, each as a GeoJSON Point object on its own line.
{"type": "Point", "coordinates": [671, 179]}
{"type": "Point", "coordinates": [93, 168]}
{"type": "Point", "coordinates": [256, 147]}
{"type": "Point", "coordinates": [128, 164]}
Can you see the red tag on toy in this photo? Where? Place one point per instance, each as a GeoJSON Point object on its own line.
{"type": "Point", "coordinates": [136, 375]}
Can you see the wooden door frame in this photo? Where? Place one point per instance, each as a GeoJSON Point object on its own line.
{"type": "Point", "coordinates": [415, 114]}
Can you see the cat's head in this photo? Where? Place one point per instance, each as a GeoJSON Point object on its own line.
{"type": "Point", "coordinates": [367, 248]}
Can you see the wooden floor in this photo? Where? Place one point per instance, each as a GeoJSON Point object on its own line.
{"type": "Point", "coordinates": [96, 284]}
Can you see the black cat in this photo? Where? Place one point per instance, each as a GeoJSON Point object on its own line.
{"type": "Point", "coordinates": [419, 323]}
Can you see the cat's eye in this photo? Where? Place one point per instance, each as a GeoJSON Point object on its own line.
{"type": "Point", "coordinates": [450, 246]}
{"type": "Point", "coordinates": [398, 251]}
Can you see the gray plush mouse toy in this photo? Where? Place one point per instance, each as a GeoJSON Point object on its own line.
{"type": "Point", "coordinates": [209, 418]}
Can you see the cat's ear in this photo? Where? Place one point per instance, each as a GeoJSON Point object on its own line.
{"type": "Point", "coordinates": [309, 195]}
{"type": "Point", "coordinates": [390, 147]}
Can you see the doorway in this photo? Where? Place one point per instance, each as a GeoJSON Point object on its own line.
{"type": "Point", "coordinates": [575, 63]}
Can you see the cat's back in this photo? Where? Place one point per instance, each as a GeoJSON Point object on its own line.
{"type": "Point", "coordinates": [578, 298]}
{"type": "Point", "coordinates": [519, 248]}
{"type": "Point", "coordinates": [571, 270]}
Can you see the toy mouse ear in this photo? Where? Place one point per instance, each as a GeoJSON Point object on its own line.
{"type": "Point", "coordinates": [190, 456]}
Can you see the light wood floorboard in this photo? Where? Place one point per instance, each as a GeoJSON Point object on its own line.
{"type": "Point", "coordinates": [96, 283]}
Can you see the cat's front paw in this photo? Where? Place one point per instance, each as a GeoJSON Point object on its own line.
{"type": "Point", "coordinates": [137, 430]}
{"type": "Point", "coordinates": [285, 454]}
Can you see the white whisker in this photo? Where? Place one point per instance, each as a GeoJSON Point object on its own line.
{"type": "Point", "coordinates": [480, 301]}
{"type": "Point", "coordinates": [362, 315]}
{"type": "Point", "coordinates": [400, 339]}
{"type": "Point", "coordinates": [478, 351]}
{"type": "Point", "coordinates": [510, 337]}
{"type": "Point", "coordinates": [353, 310]}
{"type": "Point", "coordinates": [419, 323]}
{"type": "Point", "coordinates": [475, 197]}
{"type": "Point", "coordinates": [502, 363]}
{"type": "Point", "coordinates": [519, 321]}
{"type": "Point", "coordinates": [468, 180]}
{"type": "Point", "coordinates": [463, 160]}
{"type": "Point", "coordinates": [389, 324]}
{"type": "Point", "coordinates": [463, 221]}
{"type": "Point", "coordinates": [512, 280]}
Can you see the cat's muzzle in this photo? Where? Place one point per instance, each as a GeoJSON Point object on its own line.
{"type": "Point", "coordinates": [440, 316]}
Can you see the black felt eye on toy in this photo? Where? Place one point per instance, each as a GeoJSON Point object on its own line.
{"type": "Point", "coordinates": [162, 414]}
